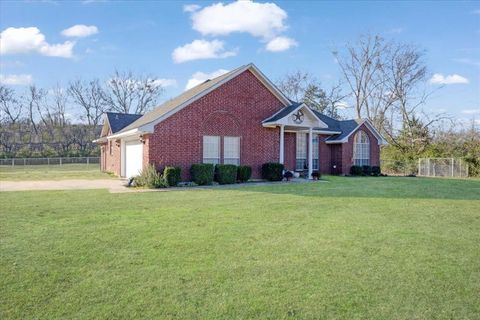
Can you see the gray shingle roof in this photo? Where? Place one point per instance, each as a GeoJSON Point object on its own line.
{"type": "Point", "coordinates": [285, 111]}
{"type": "Point", "coordinates": [343, 126]}
{"type": "Point", "coordinates": [118, 121]}
{"type": "Point", "coordinates": [346, 127]}
{"type": "Point", "coordinates": [175, 102]}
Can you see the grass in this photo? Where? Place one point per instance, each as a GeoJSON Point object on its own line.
{"type": "Point", "coordinates": [350, 248]}
{"type": "Point", "coordinates": [54, 172]}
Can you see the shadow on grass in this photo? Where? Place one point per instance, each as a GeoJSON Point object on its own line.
{"type": "Point", "coordinates": [377, 187]}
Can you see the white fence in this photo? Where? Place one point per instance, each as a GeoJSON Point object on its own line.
{"type": "Point", "coordinates": [50, 161]}
{"type": "Point", "coordinates": [442, 167]}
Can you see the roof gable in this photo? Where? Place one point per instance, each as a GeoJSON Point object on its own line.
{"type": "Point", "coordinates": [283, 117]}
{"type": "Point", "coordinates": [170, 107]}
{"type": "Point", "coordinates": [118, 121]}
{"type": "Point", "coordinates": [348, 127]}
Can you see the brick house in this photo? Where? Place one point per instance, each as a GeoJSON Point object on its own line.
{"type": "Point", "coordinates": [237, 118]}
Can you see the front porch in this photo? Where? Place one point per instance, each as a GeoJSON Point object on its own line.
{"type": "Point", "coordinates": [307, 128]}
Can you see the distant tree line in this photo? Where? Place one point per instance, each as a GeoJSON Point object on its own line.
{"type": "Point", "coordinates": [386, 82]}
{"type": "Point", "coordinates": [63, 121]}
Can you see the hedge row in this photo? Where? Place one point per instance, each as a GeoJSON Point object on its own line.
{"type": "Point", "coordinates": [205, 173]}
{"type": "Point", "coordinates": [365, 171]}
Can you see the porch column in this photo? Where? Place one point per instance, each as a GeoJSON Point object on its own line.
{"type": "Point", "coordinates": [282, 144]}
{"type": "Point", "coordinates": [310, 153]}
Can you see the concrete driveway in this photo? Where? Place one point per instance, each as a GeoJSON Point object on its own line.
{"type": "Point", "coordinates": [113, 186]}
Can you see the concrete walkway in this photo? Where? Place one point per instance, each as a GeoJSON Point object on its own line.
{"type": "Point", "coordinates": [112, 185]}
{"type": "Point", "coordinates": [118, 186]}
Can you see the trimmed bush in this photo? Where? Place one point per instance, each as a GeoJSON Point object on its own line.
{"type": "Point", "coordinates": [376, 171]}
{"type": "Point", "coordinates": [244, 173]}
{"type": "Point", "coordinates": [202, 173]}
{"type": "Point", "coordinates": [272, 171]}
{"type": "Point", "coordinates": [226, 173]}
{"type": "Point", "coordinates": [356, 170]}
{"type": "Point", "coordinates": [172, 175]}
{"type": "Point", "coordinates": [150, 178]}
{"type": "Point", "coordinates": [367, 170]}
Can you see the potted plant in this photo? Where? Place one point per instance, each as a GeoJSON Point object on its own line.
{"type": "Point", "coordinates": [288, 175]}
{"type": "Point", "coordinates": [315, 175]}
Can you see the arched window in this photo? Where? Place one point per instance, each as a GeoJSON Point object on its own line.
{"type": "Point", "coordinates": [361, 149]}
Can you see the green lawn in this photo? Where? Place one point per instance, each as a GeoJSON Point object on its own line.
{"type": "Point", "coordinates": [349, 248]}
{"type": "Point", "coordinates": [53, 172]}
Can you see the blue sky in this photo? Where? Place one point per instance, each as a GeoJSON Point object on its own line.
{"type": "Point", "coordinates": [279, 37]}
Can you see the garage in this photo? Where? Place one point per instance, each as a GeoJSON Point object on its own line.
{"type": "Point", "coordinates": [133, 158]}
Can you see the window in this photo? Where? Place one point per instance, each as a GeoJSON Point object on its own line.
{"type": "Point", "coordinates": [361, 149]}
{"type": "Point", "coordinates": [315, 151]}
{"type": "Point", "coordinates": [301, 157]}
{"type": "Point", "coordinates": [231, 150]}
{"type": "Point", "coordinates": [211, 149]}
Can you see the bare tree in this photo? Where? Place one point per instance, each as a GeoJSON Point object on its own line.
{"type": "Point", "coordinates": [10, 106]}
{"type": "Point", "coordinates": [90, 96]}
{"type": "Point", "coordinates": [303, 87]}
{"type": "Point", "coordinates": [35, 98]}
{"type": "Point", "coordinates": [128, 93]}
{"type": "Point", "coordinates": [362, 69]}
{"type": "Point", "coordinates": [295, 84]}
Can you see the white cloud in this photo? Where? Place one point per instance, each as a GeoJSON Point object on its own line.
{"type": "Point", "coordinates": [190, 7]}
{"type": "Point", "coordinates": [31, 40]}
{"type": "Point", "coordinates": [264, 20]}
{"type": "Point", "coordinates": [280, 44]}
{"type": "Point", "coordinates": [471, 111]}
{"type": "Point", "coordinates": [80, 31]}
{"type": "Point", "coordinates": [201, 49]}
{"type": "Point", "coordinates": [439, 78]}
{"type": "Point", "coordinates": [165, 82]}
{"type": "Point", "coordinates": [199, 77]}
{"type": "Point", "coordinates": [16, 79]}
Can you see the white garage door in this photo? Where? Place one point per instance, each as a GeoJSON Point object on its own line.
{"type": "Point", "coordinates": [133, 158]}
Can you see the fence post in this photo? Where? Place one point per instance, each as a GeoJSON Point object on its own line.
{"type": "Point", "coordinates": [24, 161]}
{"type": "Point", "coordinates": [452, 166]}
{"type": "Point", "coordinates": [48, 161]}
{"type": "Point", "coordinates": [60, 161]}
{"type": "Point", "coordinates": [88, 161]}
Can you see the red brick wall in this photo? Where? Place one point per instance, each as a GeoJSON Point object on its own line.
{"type": "Point", "coordinates": [347, 150]}
{"type": "Point", "coordinates": [236, 108]}
{"type": "Point", "coordinates": [290, 140]}
{"type": "Point", "coordinates": [111, 161]}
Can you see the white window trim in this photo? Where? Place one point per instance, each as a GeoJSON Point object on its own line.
{"type": "Point", "coordinates": [316, 151]}
{"type": "Point", "coordinates": [361, 150]}
{"type": "Point", "coordinates": [300, 154]}
{"type": "Point", "coordinates": [228, 159]}
{"type": "Point", "coordinates": [207, 158]}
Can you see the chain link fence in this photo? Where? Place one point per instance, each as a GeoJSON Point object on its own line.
{"type": "Point", "coordinates": [12, 162]}
{"type": "Point", "coordinates": [442, 167]}
{"type": "Point", "coordinates": [426, 167]}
